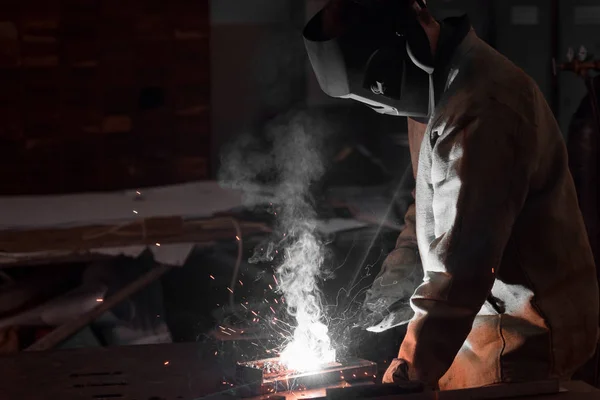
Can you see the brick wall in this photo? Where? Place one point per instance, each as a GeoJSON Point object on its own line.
{"type": "Point", "coordinates": [103, 94]}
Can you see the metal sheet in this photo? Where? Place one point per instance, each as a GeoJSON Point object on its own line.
{"type": "Point", "coordinates": [269, 376]}
{"type": "Point", "coordinates": [587, 15]}
{"type": "Point", "coordinates": [524, 15]}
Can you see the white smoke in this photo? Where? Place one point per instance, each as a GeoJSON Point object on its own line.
{"type": "Point", "coordinates": [310, 346]}
{"type": "Point", "coordinates": [294, 163]}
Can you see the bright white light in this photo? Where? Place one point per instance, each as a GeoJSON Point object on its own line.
{"type": "Point", "coordinates": [309, 350]}
{"type": "Point", "coordinates": [310, 346]}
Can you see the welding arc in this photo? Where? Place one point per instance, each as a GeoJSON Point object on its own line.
{"type": "Point", "coordinates": [238, 261]}
{"type": "Point", "coordinates": [403, 181]}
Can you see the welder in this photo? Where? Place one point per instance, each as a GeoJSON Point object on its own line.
{"type": "Point", "coordinates": [508, 288]}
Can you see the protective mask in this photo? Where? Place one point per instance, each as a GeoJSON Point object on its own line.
{"type": "Point", "coordinates": [381, 57]}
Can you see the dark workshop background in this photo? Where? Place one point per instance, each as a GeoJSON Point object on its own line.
{"type": "Point", "coordinates": [105, 94]}
{"type": "Point", "coordinates": [254, 57]}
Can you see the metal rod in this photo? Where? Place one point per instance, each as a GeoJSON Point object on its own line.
{"type": "Point", "coordinates": [66, 330]}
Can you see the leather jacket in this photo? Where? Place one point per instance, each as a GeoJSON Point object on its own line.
{"type": "Point", "coordinates": [509, 291]}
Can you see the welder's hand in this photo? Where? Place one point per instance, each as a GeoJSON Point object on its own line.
{"type": "Point", "coordinates": [397, 374]}
{"type": "Point", "coordinates": [387, 303]}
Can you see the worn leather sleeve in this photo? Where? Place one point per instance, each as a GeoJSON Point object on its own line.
{"type": "Point", "coordinates": [474, 184]}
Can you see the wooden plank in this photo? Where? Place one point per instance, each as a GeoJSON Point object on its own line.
{"type": "Point", "coordinates": [148, 231]}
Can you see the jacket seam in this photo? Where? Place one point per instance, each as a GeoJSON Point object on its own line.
{"type": "Point", "coordinates": [534, 303]}
{"type": "Point", "coordinates": [501, 355]}
{"type": "Point", "coordinates": [536, 306]}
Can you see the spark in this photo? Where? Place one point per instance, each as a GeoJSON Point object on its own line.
{"type": "Point", "coordinates": [166, 363]}
{"type": "Point", "coordinates": [253, 312]}
{"type": "Point", "coordinates": [157, 244]}
{"type": "Point", "coordinates": [230, 290]}
{"type": "Point", "coordinates": [227, 333]}
{"type": "Point", "coordinates": [241, 283]}
{"type": "Point", "coordinates": [276, 301]}
{"type": "Point", "coordinates": [138, 192]}
{"type": "Point", "coordinates": [244, 306]}
{"type": "Point", "coordinates": [99, 300]}
{"type": "Point", "coordinates": [212, 277]}
{"type": "Point", "coordinates": [237, 238]}
{"type": "Point", "coordinates": [272, 310]}
{"type": "Point", "coordinates": [135, 212]}
{"type": "Point", "coordinates": [270, 287]}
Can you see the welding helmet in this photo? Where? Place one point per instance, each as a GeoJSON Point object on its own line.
{"type": "Point", "coordinates": [379, 56]}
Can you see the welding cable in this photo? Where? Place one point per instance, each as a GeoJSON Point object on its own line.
{"type": "Point", "coordinates": [406, 177]}
{"type": "Point", "coordinates": [238, 261]}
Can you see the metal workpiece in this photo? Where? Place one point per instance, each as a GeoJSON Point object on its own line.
{"type": "Point", "coordinates": [270, 376]}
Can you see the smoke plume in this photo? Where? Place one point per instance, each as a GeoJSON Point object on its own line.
{"type": "Point", "coordinates": [278, 169]}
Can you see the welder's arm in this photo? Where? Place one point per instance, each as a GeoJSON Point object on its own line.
{"type": "Point", "coordinates": [481, 172]}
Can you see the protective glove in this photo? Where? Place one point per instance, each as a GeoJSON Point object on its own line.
{"type": "Point", "coordinates": [397, 374]}
{"type": "Point", "coordinates": [387, 303]}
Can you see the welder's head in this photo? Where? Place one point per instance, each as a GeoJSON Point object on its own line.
{"type": "Point", "coordinates": [375, 52]}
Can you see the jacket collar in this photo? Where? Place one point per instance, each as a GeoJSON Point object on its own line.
{"type": "Point", "coordinates": [453, 43]}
